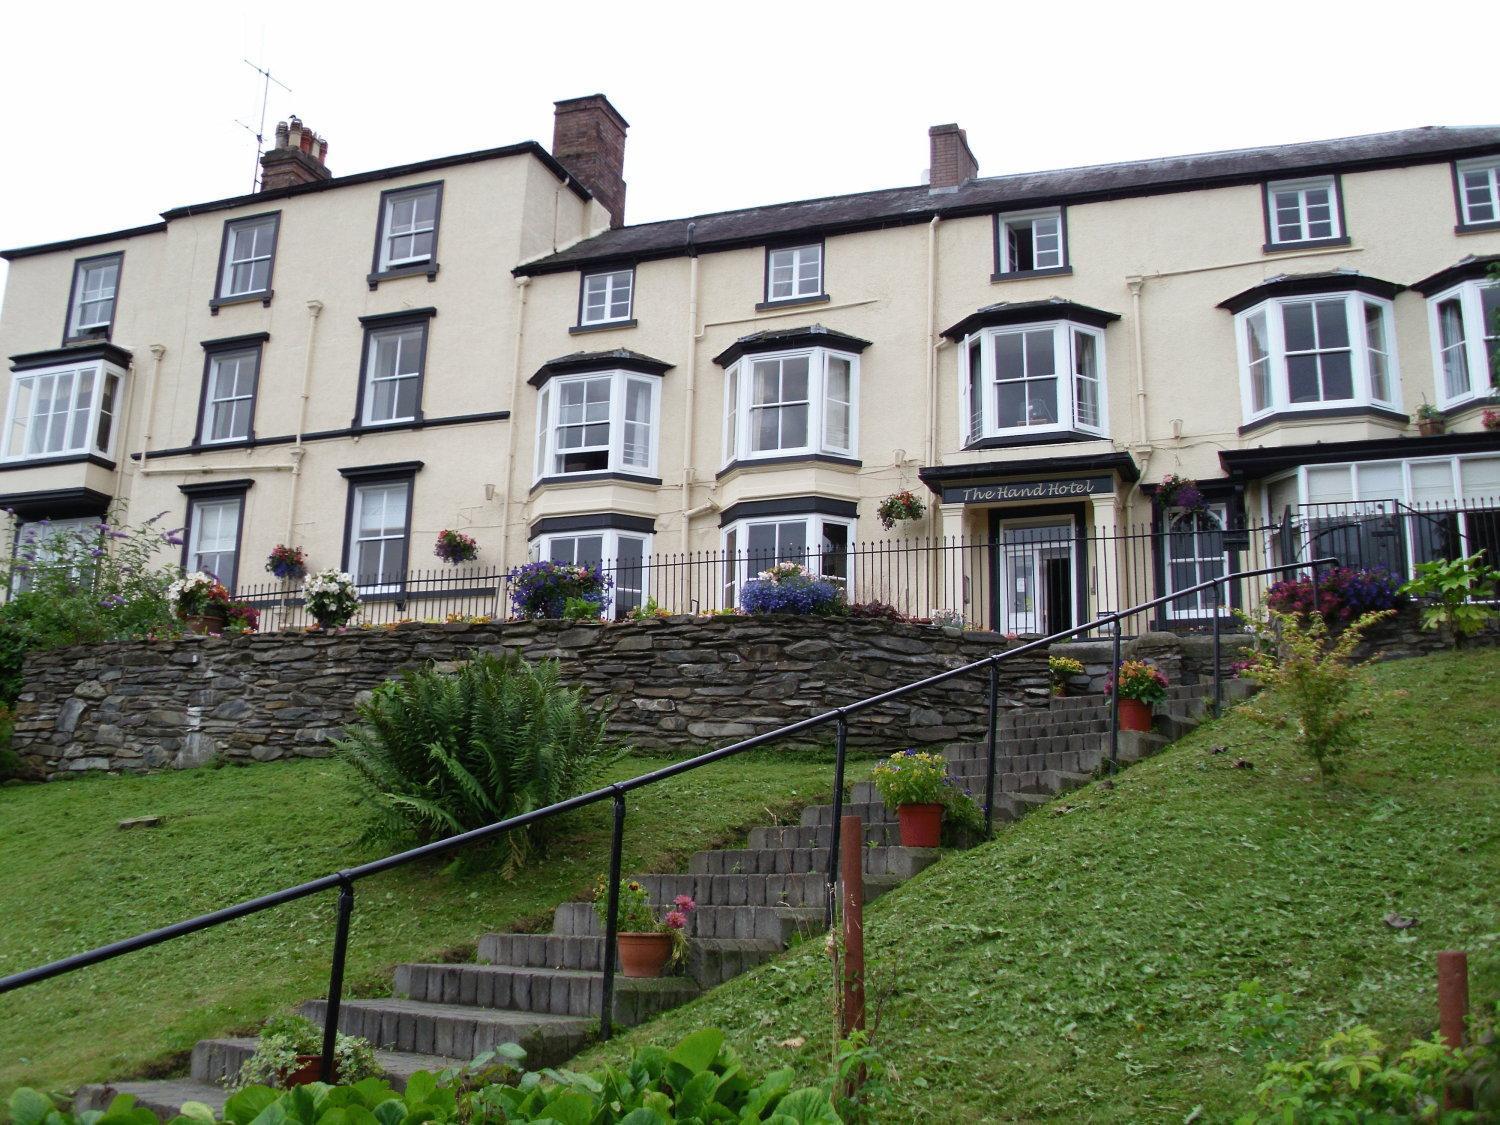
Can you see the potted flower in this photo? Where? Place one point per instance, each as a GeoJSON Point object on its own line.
{"type": "Point", "coordinates": [331, 598]}
{"type": "Point", "coordinates": [900, 506]}
{"type": "Point", "coordinates": [1490, 419]}
{"type": "Point", "coordinates": [455, 547]}
{"type": "Point", "coordinates": [789, 587]}
{"type": "Point", "coordinates": [542, 589]}
{"type": "Point", "coordinates": [287, 562]}
{"type": "Point", "coordinates": [240, 617]}
{"type": "Point", "coordinates": [1180, 493]}
{"type": "Point", "coordinates": [1141, 687]}
{"type": "Point", "coordinates": [646, 944]}
{"type": "Point", "coordinates": [1429, 420]}
{"type": "Point", "coordinates": [914, 783]}
{"type": "Point", "coordinates": [288, 1052]}
{"type": "Point", "coordinates": [1061, 669]}
{"type": "Point", "coordinates": [200, 601]}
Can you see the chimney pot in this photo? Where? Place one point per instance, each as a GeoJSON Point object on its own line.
{"type": "Point", "coordinates": [952, 161]}
{"type": "Point", "coordinates": [299, 157]}
{"type": "Point", "coordinates": [588, 139]}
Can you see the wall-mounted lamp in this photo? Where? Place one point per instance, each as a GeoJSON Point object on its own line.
{"type": "Point", "coordinates": [489, 492]}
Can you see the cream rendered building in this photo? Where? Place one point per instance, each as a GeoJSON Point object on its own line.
{"type": "Point", "coordinates": [1034, 353]}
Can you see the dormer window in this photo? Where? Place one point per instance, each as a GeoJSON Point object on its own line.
{"type": "Point", "coordinates": [91, 306]}
{"type": "Point", "coordinates": [1030, 242]}
{"type": "Point", "coordinates": [1304, 213]}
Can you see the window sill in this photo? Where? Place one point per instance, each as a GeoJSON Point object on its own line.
{"type": "Point", "coordinates": [1460, 407]}
{"type": "Point", "coordinates": [429, 269]}
{"type": "Point", "coordinates": [789, 459]}
{"type": "Point", "coordinates": [57, 459]}
{"type": "Point", "coordinates": [1309, 244]}
{"type": "Point", "coordinates": [1476, 228]}
{"type": "Point", "coordinates": [92, 336]}
{"type": "Point", "coordinates": [1045, 437]}
{"type": "Point", "coordinates": [357, 428]}
{"type": "Point", "coordinates": [1282, 417]}
{"type": "Point", "coordinates": [216, 303]}
{"type": "Point", "coordinates": [792, 302]}
{"type": "Point", "coordinates": [595, 478]}
{"type": "Point", "coordinates": [1017, 275]}
{"type": "Point", "coordinates": [605, 326]}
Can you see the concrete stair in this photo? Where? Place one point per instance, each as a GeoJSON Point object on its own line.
{"type": "Point", "coordinates": [545, 991]}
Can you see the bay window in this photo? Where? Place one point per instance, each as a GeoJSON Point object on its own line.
{"type": "Point", "coordinates": [817, 541]}
{"type": "Point", "coordinates": [1317, 350]}
{"type": "Point", "coordinates": [63, 410]}
{"type": "Point", "coordinates": [1466, 342]}
{"type": "Point", "coordinates": [91, 303]}
{"type": "Point", "coordinates": [794, 403]}
{"type": "Point", "coordinates": [598, 422]}
{"type": "Point", "coordinates": [1034, 378]}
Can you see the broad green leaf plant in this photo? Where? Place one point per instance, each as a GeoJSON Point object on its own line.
{"type": "Point", "coordinates": [1457, 595]}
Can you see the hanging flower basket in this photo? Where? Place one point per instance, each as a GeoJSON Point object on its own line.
{"type": "Point", "coordinates": [1179, 493]}
{"type": "Point", "coordinates": [900, 506]}
{"type": "Point", "coordinates": [455, 547]}
{"type": "Point", "coordinates": [287, 562]}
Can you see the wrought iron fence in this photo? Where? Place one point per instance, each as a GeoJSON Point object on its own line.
{"type": "Point", "coordinates": [1029, 580]}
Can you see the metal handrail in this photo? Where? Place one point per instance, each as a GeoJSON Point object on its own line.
{"type": "Point", "coordinates": [345, 879]}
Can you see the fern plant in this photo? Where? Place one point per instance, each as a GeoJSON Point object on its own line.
{"type": "Point", "coordinates": [445, 752]}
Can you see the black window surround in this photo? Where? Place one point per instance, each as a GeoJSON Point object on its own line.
{"type": "Point", "coordinates": [1273, 247]}
{"type": "Point", "coordinates": [604, 325]}
{"type": "Point", "coordinates": [767, 301]}
{"type": "Point", "coordinates": [603, 521]}
{"type": "Point", "coordinates": [1373, 413]}
{"type": "Point", "coordinates": [788, 339]}
{"type": "Point", "coordinates": [213, 349]}
{"type": "Point", "coordinates": [379, 322]}
{"type": "Point", "coordinates": [1461, 227]}
{"type": "Point", "coordinates": [1029, 312]}
{"type": "Point", "coordinates": [790, 459]}
{"type": "Point", "coordinates": [1474, 267]}
{"type": "Point", "coordinates": [79, 265]}
{"type": "Point", "coordinates": [582, 363]}
{"type": "Point", "coordinates": [1001, 274]}
{"type": "Point", "coordinates": [429, 268]}
{"type": "Point", "coordinates": [56, 503]}
{"type": "Point", "coordinates": [1306, 284]}
{"type": "Point", "coordinates": [789, 506]}
{"type": "Point", "coordinates": [390, 473]}
{"type": "Point", "coordinates": [324, 435]}
{"type": "Point", "coordinates": [210, 491]}
{"type": "Point", "coordinates": [216, 302]}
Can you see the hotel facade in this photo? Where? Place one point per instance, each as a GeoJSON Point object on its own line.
{"type": "Point", "coordinates": [479, 342]}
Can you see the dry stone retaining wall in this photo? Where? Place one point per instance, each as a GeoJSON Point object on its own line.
{"type": "Point", "coordinates": [674, 683]}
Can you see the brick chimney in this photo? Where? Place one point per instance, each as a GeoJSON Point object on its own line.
{"type": "Point", "coordinates": [298, 157]}
{"type": "Point", "coordinates": [951, 162]}
{"type": "Point", "coordinates": [588, 139]}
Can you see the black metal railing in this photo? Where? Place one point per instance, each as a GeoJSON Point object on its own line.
{"type": "Point", "coordinates": [344, 881]}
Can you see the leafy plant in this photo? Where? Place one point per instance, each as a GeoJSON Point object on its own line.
{"type": "Point", "coordinates": [331, 597]}
{"type": "Point", "coordinates": [1313, 674]}
{"type": "Point", "coordinates": [876, 611]}
{"type": "Point", "coordinates": [647, 612]}
{"type": "Point", "coordinates": [284, 1038]}
{"type": "Point", "coordinates": [580, 609]}
{"type": "Point", "coordinates": [790, 587]}
{"type": "Point", "coordinates": [455, 547]}
{"type": "Point", "coordinates": [1259, 1021]}
{"type": "Point", "coordinates": [1429, 412]}
{"type": "Point", "coordinates": [1344, 594]}
{"type": "Point", "coordinates": [1179, 492]}
{"type": "Point", "coordinates": [912, 777]}
{"type": "Point", "coordinates": [444, 752]}
{"type": "Point", "coordinates": [949, 619]}
{"type": "Point", "coordinates": [899, 506]}
{"type": "Point", "coordinates": [197, 594]}
{"type": "Point", "coordinates": [1061, 669]}
{"type": "Point", "coordinates": [962, 815]}
{"type": "Point", "coordinates": [542, 589]}
{"type": "Point", "coordinates": [1456, 592]}
{"type": "Point", "coordinates": [636, 915]}
{"type": "Point", "coordinates": [1138, 680]}
{"type": "Point", "coordinates": [241, 617]}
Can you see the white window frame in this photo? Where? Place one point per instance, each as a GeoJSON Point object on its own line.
{"type": "Point", "coordinates": [1489, 168]}
{"type": "Point", "coordinates": [372, 356]}
{"type": "Point", "coordinates": [549, 411]}
{"type": "Point", "coordinates": [81, 294]}
{"type": "Point", "coordinates": [739, 406]}
{"type": "Point", "coordinates": [793, 259]}
{"type": "Point", "coordinates": [1476, 336]}
{"type": "Point", "coordinates": [612, 286]}
{"type": "Point", "coordinates": [236, 231]}
{"type": "Point", "coordinates": [1301, 188]}
{"type": "Point", "coordinates": [1064, 335]}
{"type": "Point", "coordinates": [1183, 608]}
{"type": "Point", "coordinates": [389, 233]}
{"type": "Point", "coordinates": [734, 542]}
{"type": "Point", "coordinates": [1361, 382]}
{"type": "Point", "coordinates": [38, 534]}
{"type": "Point", "coordinates": [361, 489]}
{"type": "Point", "coordinates": [1003, 225]}
{"type": "Point", "coordinates": [84, 414]}
{"type": "Point", "coordinates": [196, 507]}
{"type": "Point", "coordinates": [212, 401]}
{"type": "Point", "coordinates": [541, 548]}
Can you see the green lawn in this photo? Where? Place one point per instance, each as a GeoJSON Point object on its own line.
{"type": "Point", "coordinates": [70, 880]}
{"type": "Point", "coordinates": [1074, 968]}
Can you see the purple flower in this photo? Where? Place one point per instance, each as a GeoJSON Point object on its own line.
{"type": "Point", "coordinates": [97, 552]}
{"type": "Point", "coordinates": [172, 539]}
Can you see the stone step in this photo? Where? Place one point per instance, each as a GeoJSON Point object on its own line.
{"type": "Point", "coordinates": [421, 1027]}
{"type": "Point", "coordinates": [217, 1061]}
{"type": "Point", "coordinates": [163, 1097]}
{"type": "Point", "coordinates": [710, 962]}
{"type": "Point", "coordinates": [1021, 749]}
{"type": "Point", "coordinates": [558, 992]}
{"type": "Point", "coordinates": [777, 924]}
{"type": "Point", "coordinates": [883, 834]}
{"type": "Point", "coordinates": [804, 888]}
{"type": "Point", "coordinates": [869, 812]}
{"type": "Point", "coordinates": [898, 861]}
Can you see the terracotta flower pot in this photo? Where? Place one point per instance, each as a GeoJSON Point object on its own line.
{"type": "Point", "coordinates": [921, 825]}
{"type": "Point", "coordinates": [1135, 715]}
{"type": "Point", "coordinates": [1429, 427]}
{"type": "Point", "coordinates": [204, 623]}
{"type": "Point", "coordinates": [644, 955]}
{"type": "Point", "coordinates": [309, 1068]}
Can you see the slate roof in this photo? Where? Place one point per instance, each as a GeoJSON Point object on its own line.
{"type": "Point", "coordinates": [622, 358]}
{"type": "Point", "coordinates": [900, 206]}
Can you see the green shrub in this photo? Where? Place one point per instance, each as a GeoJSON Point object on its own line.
{"type": "Point", "coordinates": [1453, 590]}
{"type": "Point", "coordinates": [1314, 678]}
{"type": "Point", "coordinates": [445, 752]}
{"type": "Point", "coordinates": [283, 1038]}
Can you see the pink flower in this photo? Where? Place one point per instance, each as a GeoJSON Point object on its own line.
{"type": "Point", "coordinates": [676, 919]}
{"type": "Point", "coordinates": [685, 903]}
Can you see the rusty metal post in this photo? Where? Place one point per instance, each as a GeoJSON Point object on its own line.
{"type": "Point", "coordinates": [852, 880]}
{"type": "Point", "coordinates": [1453, 1007]}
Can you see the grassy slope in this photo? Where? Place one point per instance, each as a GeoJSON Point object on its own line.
{"type": "Point", "coordinates": [1073, 969]}
{"type": "Point", "coordinates": [70, 880]}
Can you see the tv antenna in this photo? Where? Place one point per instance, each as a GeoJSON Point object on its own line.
{"type": "Point", "coordinates": [260, 132]}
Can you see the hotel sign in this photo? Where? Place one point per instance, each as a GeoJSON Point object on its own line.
{"type": "Point", "coordinates": [1069, 488]}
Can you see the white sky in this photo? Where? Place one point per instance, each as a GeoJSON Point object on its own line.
{"type": "Point", "coordinates": [111, 115]}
